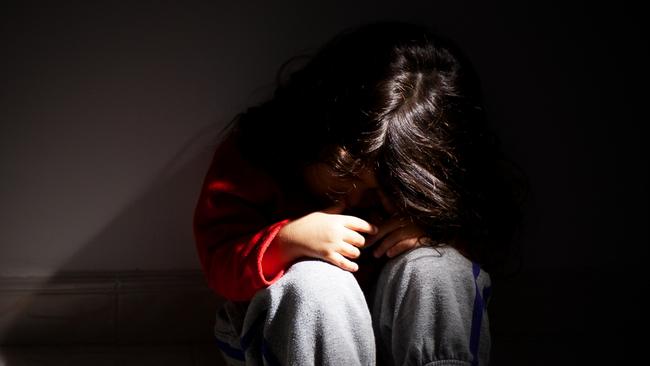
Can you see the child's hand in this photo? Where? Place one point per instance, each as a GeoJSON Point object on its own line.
{"type": "Point", "coordinates": [327, 235]}
{"type": "Point", "coordinates": [399, 235]}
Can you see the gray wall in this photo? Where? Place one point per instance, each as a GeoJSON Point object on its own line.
{"type": "Point", "coordinates": [108, 111]}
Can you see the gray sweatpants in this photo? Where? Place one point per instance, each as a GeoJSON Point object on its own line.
{"type": "Point", "coordinates": [428, 308]}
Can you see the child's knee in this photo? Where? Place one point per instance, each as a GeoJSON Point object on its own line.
{"type": "Point", "coordinates": [420, 259]}
{"type": "Point", "coordinates": [314, 279]}
{"type": "Point", "coordinates": [423, 269]}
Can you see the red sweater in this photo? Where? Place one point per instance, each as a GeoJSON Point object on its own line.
{"type": "Point", "coordinates": [239, 212]}
{"type": "Point", "coordinates": [231, 229]}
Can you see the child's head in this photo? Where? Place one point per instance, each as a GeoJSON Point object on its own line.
{"type": "Point", "coordinates": [401, 102]}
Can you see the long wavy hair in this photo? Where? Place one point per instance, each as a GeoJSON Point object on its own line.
{"type": "Point", "coordinates": [403, 100]}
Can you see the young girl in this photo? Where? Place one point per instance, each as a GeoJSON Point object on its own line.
{"type": "Point", "coordinates": [352, 218]}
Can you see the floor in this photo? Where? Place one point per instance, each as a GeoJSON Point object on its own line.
{"type": "Point", "coordinates": [178, 355]}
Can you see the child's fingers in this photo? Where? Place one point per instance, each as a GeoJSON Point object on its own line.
{"type": "Point", "coordinates": [360, 225]}
{"type": "Point", "coordinates": [349, 250]}
{"type": "Point", "coordinates": [355, 239]}
{"type": "Point", "coordinates": [340, 261]}
{"type": "Point", "coordinates": [395, 237]}
{"type": "Point", "coordinates": [401, 247]}
{"type": "Point", "coordinates": [386, 228]}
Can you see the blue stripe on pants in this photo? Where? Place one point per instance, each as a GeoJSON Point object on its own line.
{"type": "Point", "coordinates": [230, 351]}
{"type": "Point", "coordinates": [477, 315]}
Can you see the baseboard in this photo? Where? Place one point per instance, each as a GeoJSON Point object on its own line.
{"type": "Point", "coordinates": [140, 307]}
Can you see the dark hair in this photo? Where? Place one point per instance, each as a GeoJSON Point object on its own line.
{"type": "Point", "coordinates": [402, 100]}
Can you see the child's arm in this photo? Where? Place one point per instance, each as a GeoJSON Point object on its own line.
{"type": "Point", "coordinates": [242, 253]}
{"type": "Point", "coordinates": [232, 228]}
{"type": "Point", "coordinates": [232, 238]}
{"type": "Point", "coordinates": [325, 234]}
{"type": "Point", "coordinates": [242, 250]}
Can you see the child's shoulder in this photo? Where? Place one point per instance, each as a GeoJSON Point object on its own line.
{"type": "Point", "coordinates": [231, 170]}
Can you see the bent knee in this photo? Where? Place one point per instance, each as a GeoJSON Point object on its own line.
{"type": "Point", "coordinates": [427, 266]}
{"type": "Point", "coordinates": [417, 259]}
{"type": "Point", "coordinates": [317, 282]}
{"type": "Point", "coordinates": [313, 277]}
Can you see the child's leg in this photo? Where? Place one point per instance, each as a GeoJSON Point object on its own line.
{"type": "Point", "coordinates": [227, 328]}
{"type": "Point", "coordinates": [429, 305]}
{"type": "Point", "coordinates": [315, 314]}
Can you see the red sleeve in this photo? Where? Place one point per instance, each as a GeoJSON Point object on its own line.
{"type": "Point", "coordinates": [232, 228]}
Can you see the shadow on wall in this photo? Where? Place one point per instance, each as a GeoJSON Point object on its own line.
{"type": "Point", "coordinates": [123, 308]}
